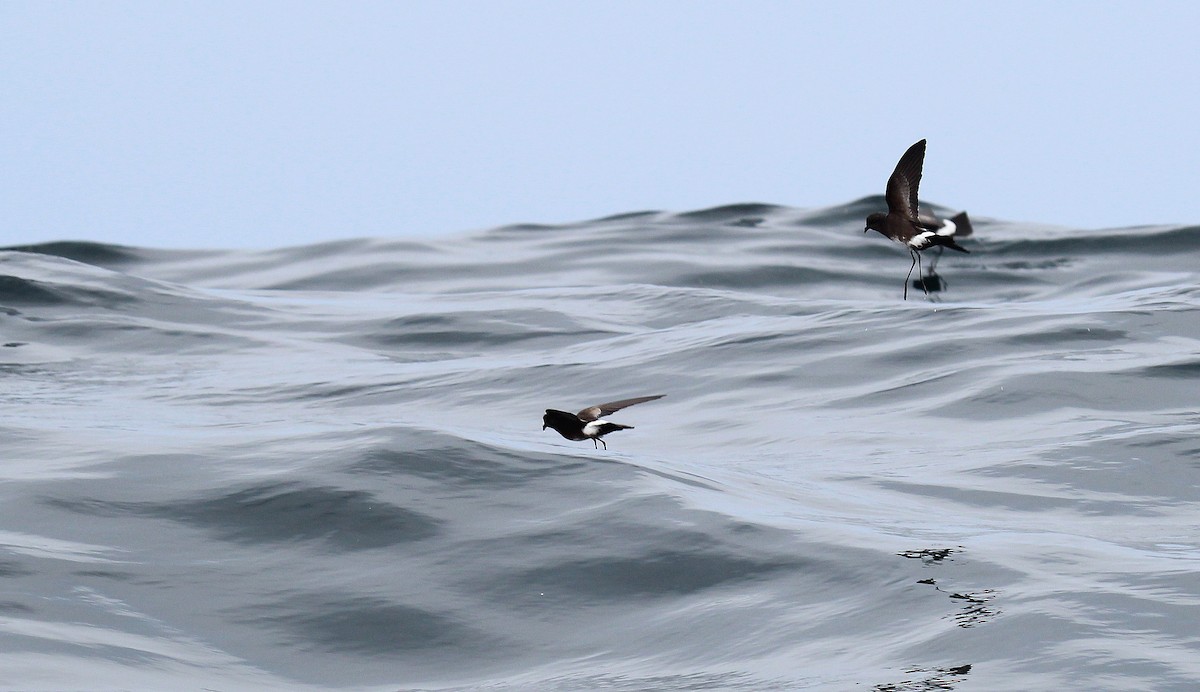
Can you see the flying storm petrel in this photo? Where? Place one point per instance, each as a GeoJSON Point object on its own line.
{"type": "Point", "coordinates": [587, 424]}
{"type": "Point", "coordinates": [902, 223]}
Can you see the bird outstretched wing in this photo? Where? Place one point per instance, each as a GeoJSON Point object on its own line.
{"type": "Point", "coordinates": [593, 412]}
{"type": "Point", "coordinates": [902, 187]}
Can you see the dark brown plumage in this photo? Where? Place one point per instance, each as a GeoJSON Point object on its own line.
{"type": "Point", "coordinates": [587, 424]}
{"type": "Point", "coordinates": [902, 222]}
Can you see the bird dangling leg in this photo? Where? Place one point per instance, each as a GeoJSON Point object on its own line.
{"type": "Point", "coordinates": [914, 263]}
{"type": "Point", "coordinates": [920, 272]}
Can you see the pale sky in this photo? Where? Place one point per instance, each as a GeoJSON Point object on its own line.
{"type": "Point", "coordinates": [263, 124]}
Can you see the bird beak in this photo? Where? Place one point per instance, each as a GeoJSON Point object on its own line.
{"type": "Point", "coordinates": [866, 229]}
{"type": "Point", "coordinates": [543, 426]}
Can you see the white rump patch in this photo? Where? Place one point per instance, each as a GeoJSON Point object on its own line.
{"type": "Point", "coordinates": [593, 427]}
{"type": "Point", "coordinates": [918, 242]}
{"type": "Point", "coordinates": [948, 229]}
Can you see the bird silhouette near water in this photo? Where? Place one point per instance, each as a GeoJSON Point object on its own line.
{"type": "Point", "coordinates": [588, 424]}
{"type": "Point", "coordinates": [902, 222]}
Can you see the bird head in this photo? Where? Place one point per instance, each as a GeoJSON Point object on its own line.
{"type": "Point", "coordinates": [876, 222]}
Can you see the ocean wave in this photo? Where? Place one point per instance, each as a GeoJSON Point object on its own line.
{"type": "Point", "coordinates": [325, 465]}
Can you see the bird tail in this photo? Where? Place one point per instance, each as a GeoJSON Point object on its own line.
{"type": "Point", "coordinates": [949, 242]}
{"type": "Point", "coordinates": [962, 225]}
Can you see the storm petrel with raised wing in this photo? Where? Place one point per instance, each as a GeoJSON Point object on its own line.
{"type": "Point", "coordinates": [588, 424]}
{"type": "Point", "coordinates": [902, 222]}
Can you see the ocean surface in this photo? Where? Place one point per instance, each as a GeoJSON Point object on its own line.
{"type": "Point", "coordinates": [323, 467]}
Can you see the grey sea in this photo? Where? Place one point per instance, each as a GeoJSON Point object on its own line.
{"type": "Point", "coordinates": [323, 467]}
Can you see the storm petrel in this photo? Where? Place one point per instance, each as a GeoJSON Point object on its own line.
{"type": "Point", "coordinates": [902, 223]}
{"type": "Point", "coordinates": [588, 424]}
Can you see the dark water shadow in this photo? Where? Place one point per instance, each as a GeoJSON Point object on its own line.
{"type": "Point", "coordinates": [96, 254]}
{"type": "Point", "coordinates": [661, 574]}
{"type": "Point", "coordinates": [368, 626]}
{"type": "Point", "coordinates": [17, 290]}
{"type": "Point", "coordinates": [282, 512]}
{"type": "Point", "coordinates": [456, 464]}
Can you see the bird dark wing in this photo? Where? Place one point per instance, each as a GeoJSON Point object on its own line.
{"type": "Point", "coordinates": [902, 186]}
{"type": "Point", "coordinates": [594, 412]}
